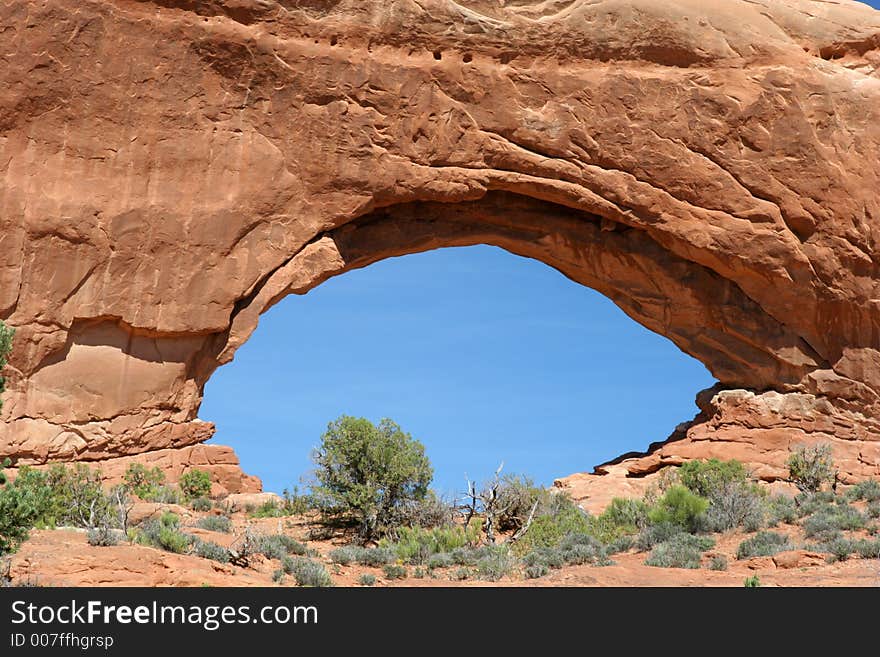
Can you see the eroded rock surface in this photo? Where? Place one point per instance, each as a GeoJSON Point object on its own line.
{"type": "Point", "coordinates": [172, 168]}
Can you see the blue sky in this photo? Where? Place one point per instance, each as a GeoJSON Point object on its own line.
{"type": "Point", "coordinates": [482, 355]}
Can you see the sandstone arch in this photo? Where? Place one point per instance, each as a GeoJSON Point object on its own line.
{"type": "Point", "coordinates": [171, 168]}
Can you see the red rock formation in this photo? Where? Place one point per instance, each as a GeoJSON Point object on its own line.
{"type": "Point", "coordinates": [172, 168]}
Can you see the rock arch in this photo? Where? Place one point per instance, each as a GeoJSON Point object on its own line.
{"type": "Point", "coordinates": [173, 168]}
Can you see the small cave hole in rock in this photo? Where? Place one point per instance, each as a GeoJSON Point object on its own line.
{"type": "Point", "coordinates": [482, 355]}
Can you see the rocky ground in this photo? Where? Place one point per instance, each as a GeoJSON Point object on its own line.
{"type": "Point", "coordinates": [63, 557]}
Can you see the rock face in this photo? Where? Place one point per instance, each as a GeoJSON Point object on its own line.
{"type": "Point", "coordinates": [173, 168]}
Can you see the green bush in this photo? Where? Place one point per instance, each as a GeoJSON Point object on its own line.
{"type": "Point", "coordinates": [626, 514]}
{"type": "Point", "coordinates": [222, 524]}
{"type": "Point", "coordinates": [394, 571]}
{"type": "Point", "coordinates": [656, 534]}
{"type": "Point", "coordinates": [867, 549]}
{"type": "Point", "coordinates": [195, 483]}
{"type": "Point", "coordinates": [103, 536]}
{"type": "Point", "coordinates": [375, 557]}
{"type": "Point", "coordinates": [365, 473]}
{"type": "Point", "coordinates": [345, 555]}
{"type": "Point", "coordinates": [810, 467]}
{"type": "Point", "coordinates": [20, 508]}
{"type": "Point", "coordinates": [496, 563]}
{"type": "Point", "coordinates": [752, 582]}
{"type": "Point", "coordinates": [367, 580]}
{"type": "Point", "coordinates": [763, 544]}
{"type": "Point", "coordinates": [680, 551]}
{"type": "Point", "coordinates": [549, 557]}
{"type": "Point", "coordinates": [839, 548]}
{"type": "Point", "coordinates": [163, 533]}
{"type": "Point", "coordinates": [201, 504]}
{"type": "Point", "coordinates": [873, 510]}
{"type": "Point", "coordinates": [144, 482]}
{"type": "Point", "coordinates": [278, 546]}
{"type": "Point", "coordinates": [833, 518]}
{"type": "Point", "coordinates": [6, 335]}
{"type": "Point", "coordinates": [516, 495]}
{"type": "Point", "coordinates": [440, 560]}
{"type": "Point", "coordinates": [414, 544]}
{"type": "Point", "coordinates": [780, 508]}
{"type": "Point", "coordinates": [306, 572]}
{"type": "Point", "coordinates": [735, 504]}
{"type": "Point", "coordinates": [868, 490]}
{"type": "Point", "coordinates": [562, 518]}
{"type": "Point", "coordinates": [535, 571]}
{"type": "Point", "coordinates": [622, 544]}
{"type": "Point", "coordinates": [707, 477]}
{"type": "Point", "coordinates": [460, 574]}
{"type": "Point", "coordinates": [681, 507]}
{"type": "Point", "coordinates": [577, 549]}
{"type": "Point", "coordinates": [213, 551]}
{"type": "Point", "coordinates": [718, 562]}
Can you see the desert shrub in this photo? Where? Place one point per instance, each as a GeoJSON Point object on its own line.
{"type": "Point", "coordinates": [142, 481]}
{"type": "Point", "coordinates": [681, 507]}
{"type": "Point", "coordinates": [164, 495]}
{"type": "Point", "coordinates": [294, 503]}
{"type": "Point", "coordinates": [375, 557]}
{"type": "Point", "coordinates": [415, 544]}
{"type": "Point", "coordinates": [680, 551]}
{"type": "Point", "coordinates": [428, 512]}
{"type": "Point", "coordinates": [708, 477]}
{"type": "Point", "coordinates": [495, 564]}
{"type": "Point", "coordinates": [365, 473]}
{"type": "Point", "coordinates": [833, 518]}
{"type": "Point", "coordinates": [6, 335]}
{"type": "Point", "coordinates": [77, 496]}
{"type": "Point", "coordinates": [868, 490]}
{"type": "Point", "coordinates": [516, 495]}
{"type": "Point", "coordinates": [195, 483]}
{"type": "Point", "coordinates": [561, 518]}
{"type": "Point", "coordinates": [440, 560]}
{"type": "Point", "coordinates": [549, 557]}
{"type": "Point", "coordinates": [201, 504]}
{"type": "Point", "coordinates": [627, 514]}
{"type": "Point", "coordinates": [810, 503]}
{"type": "Point", "coordinates": [306, 572]}
{"type": "Point", "coordinates": [213, 551]}
{"type": "Point", "coordinates": [839, 548]}
{"type": "Point", "coordinates": [867, 549]}
{"type": "Point", "coordinates": [394, 571]}
{"type": "Point", "coordinates": [622, 544]}
{"type": "Point", "coordinates": [735, 504]}
{"type": "Point", "coordinates": [103, 536]}
{"type": "Point", "coordinates": [811, 466]}
{"type": "Point", "coordinates": [163, 533]}
{"type": "Point", "coordinates": [780, 508]}
{"type": "Point", "coordinates": [367, 579]}
{"type": "Point", "coordinates": [873, 510]}
{"type": "Point", "coordinates": [21, 506]}
{"type": "Point", "coordinates": [278, 546]}
{"type": "Point", "coordinates": [718, 562]}
{"type": "Point", "coordinates": [655, 534]}
{"type": "Point", "coordinates": [345, 555]}
{"type": "Point", "coordinates": [419, 573]}
{"type": "Point", "coordinates": [278, 576]}
{"type": "Point", "coordinates": [535, 571]}
{"type": "Point", "coordinates": [579, 549]}
{"type": "Point", "coordinates": [222, 524]}
{"type": "Point", "coordinates": [460, 574]}
{"type": "Point", "coordinates": [763, 544]}
{"type": "Point", "coordinates": [268, 509]}
{"type": "Point", "coordinates": [752, 582]}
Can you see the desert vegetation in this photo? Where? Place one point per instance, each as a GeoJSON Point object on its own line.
{"type": "Point", "coordinates": [371, 516]}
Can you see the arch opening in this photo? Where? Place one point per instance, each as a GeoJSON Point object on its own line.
{"type": "Point", "coordinates": [482, 355]}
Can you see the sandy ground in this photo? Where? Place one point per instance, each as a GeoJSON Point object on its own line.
{"type": "Point", "coordinates": [63, 557]}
